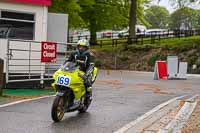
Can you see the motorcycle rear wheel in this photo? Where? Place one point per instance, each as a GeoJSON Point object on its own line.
{"type": "Point", "coordinates": [58, 109]}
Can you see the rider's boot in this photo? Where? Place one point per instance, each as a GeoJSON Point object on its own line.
{"type": "Point", "coordinates": [89, 89]}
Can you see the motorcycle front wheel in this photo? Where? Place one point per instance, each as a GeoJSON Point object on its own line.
{"type": "Point", "coordinates": [87, 102]}
{"type": "Point", "coordinates": [58, 109]}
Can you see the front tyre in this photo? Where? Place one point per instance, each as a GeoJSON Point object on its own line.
{"type": "Point", "coordinates": [58, 109]}
{"type": "Point", "coordinates": [87, 102]}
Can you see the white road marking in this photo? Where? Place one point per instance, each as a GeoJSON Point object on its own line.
{"type": "Point", "coordinates": [25, 100]}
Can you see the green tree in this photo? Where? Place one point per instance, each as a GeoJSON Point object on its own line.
{"type": "Point", "coordinates": [102, 14]}
{"type": "Point", "coordinates": [182, 3]}
{"type": "Point", "coordinates": [136, 16]}
{"type": "Point", "coordinates": [69, 7]}
{"type": "Point", "coordinates": [141, 5]}
{"type": "Point", "coordinates": [97, 15]}
{"type": "Point", "coordinates": [182, 18]}
{"type": "Point", "coordinates": [133, 19]}
{"type": "Point", "coordinates": [157, 16]}
{"type": "Point", "coordinates": [196, 19]}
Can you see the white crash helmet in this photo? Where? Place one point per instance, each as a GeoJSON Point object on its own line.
{"type": "Point", "coordinates": [83, 42]}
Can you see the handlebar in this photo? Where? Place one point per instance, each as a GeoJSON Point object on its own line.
{"type": "Point", "coordinates": [81, 62]}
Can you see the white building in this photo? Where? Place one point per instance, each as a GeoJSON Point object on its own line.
{"type": "Point", "coordinates": [31, 15]}
{"type": "Point", "coordinates": [22, 20]}
{"type": "Point", "coordinates": [28, 20]}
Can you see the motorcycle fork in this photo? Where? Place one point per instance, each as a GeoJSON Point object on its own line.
{"type": "Point", "coordinates": [68, 99]}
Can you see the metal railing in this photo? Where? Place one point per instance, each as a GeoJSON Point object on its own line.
{"type": "Point", "coordinates": [23, 61]}
{"type": "Point", "coordinates": [153, 37]}
{"type": "Point", "coordinates": [141, 38]}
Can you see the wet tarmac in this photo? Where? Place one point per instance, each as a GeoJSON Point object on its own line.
{"type": "Point", "coordinates": [119, 97]}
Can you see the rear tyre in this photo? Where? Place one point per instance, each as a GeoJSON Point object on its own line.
{"type": "Point", "coordinates": [58, 109]}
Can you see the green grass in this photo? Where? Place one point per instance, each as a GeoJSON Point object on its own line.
{"type": "Point", "coordinates": [10, 95]}
{"type": "Point", "coordinates": [185, 41]}
{"type": "Point", "coordinates": [181, 41]}
{"type": "Point", "coordinates": [106, 47]}
{"type": "Point", "coordinates": [27, 92]}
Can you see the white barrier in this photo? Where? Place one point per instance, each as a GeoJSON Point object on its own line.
{"type": "Point", "coordinates": [182, 70]}
{"type": "Point", "coordinates": [172, 66]}
{"type": "Point", "coordinates": [172, 70]}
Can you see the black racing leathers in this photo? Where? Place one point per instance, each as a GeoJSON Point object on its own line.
{"type": "Point", "coordinates": [84, 56]}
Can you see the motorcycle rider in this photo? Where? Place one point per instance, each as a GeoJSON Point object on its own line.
{"type": "Point", "coordinates": [82, 56]}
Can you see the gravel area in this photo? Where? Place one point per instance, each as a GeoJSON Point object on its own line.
{"type": "Point", "coordinates": [193, 124]}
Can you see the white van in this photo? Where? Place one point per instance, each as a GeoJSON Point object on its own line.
{"type": "Point", "coordinates": [139, 30]}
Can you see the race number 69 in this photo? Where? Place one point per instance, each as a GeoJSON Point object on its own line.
{"type": "Point", "coordinates": [63, 80]}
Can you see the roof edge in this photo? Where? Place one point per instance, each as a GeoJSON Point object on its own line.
{"type": "Point", "coordinates": [32, 2]}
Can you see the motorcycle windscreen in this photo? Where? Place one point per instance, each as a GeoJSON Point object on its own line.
{"type": "Point", "coordinates": [69, 66]}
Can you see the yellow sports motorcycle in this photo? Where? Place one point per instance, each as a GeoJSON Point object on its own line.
{"type": "Point", "coordinates": [71, 91]}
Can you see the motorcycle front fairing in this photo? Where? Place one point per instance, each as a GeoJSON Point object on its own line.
{"type": "Point", "coordinates": [68, 76]}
